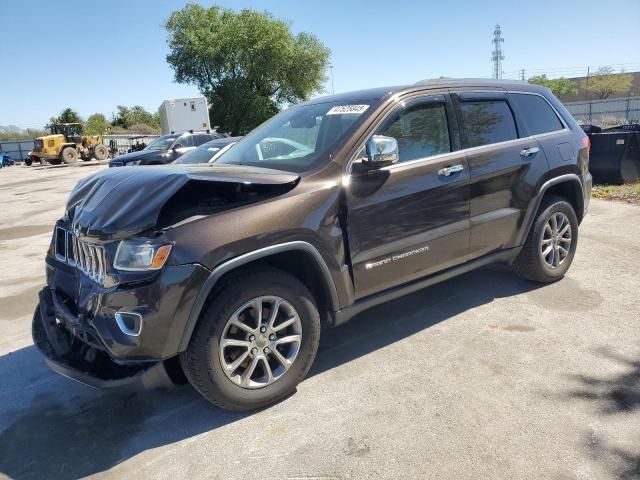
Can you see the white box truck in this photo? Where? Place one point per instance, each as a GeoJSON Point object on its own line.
{"type": "Point", "coordinates": [183, 114]}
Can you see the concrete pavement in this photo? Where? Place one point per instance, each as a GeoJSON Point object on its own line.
{"type": "Point", "coordinates": [483, 376]}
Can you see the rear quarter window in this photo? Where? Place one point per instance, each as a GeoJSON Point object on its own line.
{"type": "Point", "coordinates": [486, 122]}
{"type": "Point", "coordinates": [538, 115]}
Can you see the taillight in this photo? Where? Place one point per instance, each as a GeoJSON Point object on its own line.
{"type": "Point", "coordinates": [586, 141]}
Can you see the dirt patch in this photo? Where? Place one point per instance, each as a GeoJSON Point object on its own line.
{"type": "Point", "coordinates": [19, 281]}
{"type": "Point", "coordinates": [629, 193]}
{"type": "Point", "coordinates": [15, 306]}
{"type": "Point", "coordinates": [23, 231]}
{"type": "Point", "coordinates": [514, 328]}
{"type": "Point", "coordinates": [11, 186]}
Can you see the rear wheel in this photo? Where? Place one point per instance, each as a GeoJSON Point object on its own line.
{"type": "Point", "coordinates": [255, 341]}
{"type": "Point", "coordinates": [100, 152]}
{"type": "Point", "coordinates": [69, 155]}
{"type": "Point", "coordinates": [551, 244]}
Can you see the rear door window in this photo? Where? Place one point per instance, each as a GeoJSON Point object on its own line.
{"type": "Point", "coordinates": [201, 138]}
{"type": "Point", "coordinates": [486, 122]}
{"type": "Point", "coordinates": [537, 113]}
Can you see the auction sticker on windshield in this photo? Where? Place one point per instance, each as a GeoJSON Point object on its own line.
{"type": "Point", "coordinates": [347, 109]}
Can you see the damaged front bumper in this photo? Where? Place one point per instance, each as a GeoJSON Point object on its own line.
{"type": "Point", "coordinates": [85, 337]}
{"type": "Point", "coordinates": [90, 367]}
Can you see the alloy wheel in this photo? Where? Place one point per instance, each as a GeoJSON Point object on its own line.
{"type": "Point", "coordinates": [556, 240]}
{"type": "Point", "coordinates": [260, 342]}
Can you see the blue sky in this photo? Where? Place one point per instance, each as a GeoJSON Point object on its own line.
{"type": "Point", "coordinates": [116, 55]}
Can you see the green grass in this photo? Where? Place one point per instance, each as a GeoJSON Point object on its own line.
{"type": "Point", "coordinates": [629, 193]}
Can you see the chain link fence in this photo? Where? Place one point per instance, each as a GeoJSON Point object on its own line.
{"type": "Point", "coordinates": [606, 113]}
{"type": "Point", "coordinates": [117, 144]}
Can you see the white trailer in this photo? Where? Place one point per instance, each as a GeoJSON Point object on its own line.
{"type": "Point", "coordinates": [184, 114]}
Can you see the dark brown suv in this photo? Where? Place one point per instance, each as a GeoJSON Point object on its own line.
{"type": "Point", "coordinates": [225, 272]}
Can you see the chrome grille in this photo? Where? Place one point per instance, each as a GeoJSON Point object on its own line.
{"type": "Point", "coordinates": [87, 257]}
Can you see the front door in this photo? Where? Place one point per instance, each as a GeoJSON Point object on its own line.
{"type": "Point", "coordinates": [410, 219]}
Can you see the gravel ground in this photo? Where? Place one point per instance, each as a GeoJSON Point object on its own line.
{"type": "Point", "coordinates": [483, 376]}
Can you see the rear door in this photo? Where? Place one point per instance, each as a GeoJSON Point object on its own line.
{"type": "Point", "coordinates": [502, 161]}
{"type": "Point", "coordinates": [541, 121]}
{"type": "Point", "coordinates": [412, 218]}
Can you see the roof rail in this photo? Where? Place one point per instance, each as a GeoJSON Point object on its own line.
{"type": "Point", "coordinates": [488, 81]}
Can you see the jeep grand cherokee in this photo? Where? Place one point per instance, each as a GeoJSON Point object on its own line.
{"type": "Point", "coordinates": [227, 271]}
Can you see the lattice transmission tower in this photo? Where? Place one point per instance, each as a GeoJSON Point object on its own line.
{"type": "Point", "coordinates": [497, 56]}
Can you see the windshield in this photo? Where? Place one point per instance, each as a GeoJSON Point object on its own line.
{"type": "Point", "coordinates": [295, 139]}
{"type": "Point", "coordinates": [203, 154]}
{"type": "Point", "coordinates": [162, 143]}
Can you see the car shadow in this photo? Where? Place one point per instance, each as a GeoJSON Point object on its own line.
{"type": "Point", "coordinates": [613, 395]}
{"type": "Point", "coordinates": [54, 428]}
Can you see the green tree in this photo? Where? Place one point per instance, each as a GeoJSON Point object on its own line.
{"type": "Point", "coordinates": [96, 124]}
{"type": "Point", "coordinates": [137, 115]}
{"type": "Point", "coordinates": [248, 64]}
{"type": "Point", "coordinates": [605, 83]}
{"type": "Point", "coordinates": [68, 115]}
{"type": "Point", "coordinates": [561, 87]}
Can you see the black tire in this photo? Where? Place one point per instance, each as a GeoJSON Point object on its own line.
{"type": "Point", "coordinates": [201, 361]}
{"type": "Point", "coordinates": [530, 263]}
{"type": "Point", "coordinates": [100, 152]}
{"type": "Point", "coordinates": [28, 162]}
{"type": "Point", "coordinates": [69, 155]}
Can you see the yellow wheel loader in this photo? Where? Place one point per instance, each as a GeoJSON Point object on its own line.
{"type": "Point", "coordinates": [67, 144]}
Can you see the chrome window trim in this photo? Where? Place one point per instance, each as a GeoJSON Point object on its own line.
{"type": "Point", "coordinates": [462, 150]}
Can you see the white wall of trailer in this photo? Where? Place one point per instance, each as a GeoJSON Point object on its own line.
{"type": "Point", "coordinates": [182, 114]}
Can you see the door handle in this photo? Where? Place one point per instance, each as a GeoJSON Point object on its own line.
{"type": "Point", "coordinates": [449, 170]}
{"type": "Point", "coordinates": [527, 152]}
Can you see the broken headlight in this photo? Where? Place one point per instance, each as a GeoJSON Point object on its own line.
{"type": "Point", "coordinates": [136, 256]}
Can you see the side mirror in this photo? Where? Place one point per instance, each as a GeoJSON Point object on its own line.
{"type": "Point", "coordinates": [177, 146]}
{"type": "Point", "coordinates": [381, 151]}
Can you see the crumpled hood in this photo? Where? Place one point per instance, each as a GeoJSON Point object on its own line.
{"type": "Point", "coordinates": [119, 202]}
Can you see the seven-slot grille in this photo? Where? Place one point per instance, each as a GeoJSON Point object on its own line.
{"type": "Point", "coordinates": [90, 259]}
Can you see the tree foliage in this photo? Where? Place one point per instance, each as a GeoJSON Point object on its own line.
{"type": "Point", "coordinates": [96, 124]}
{"type": "Point", "coordinates": [11, 132]}
{"type": "Point", "coordinates": [605, 83]}
{"type": "Point", "coordinates": [560, 87]}
{"type": "Point", "coordinates": [68, 115]}
{"type": "Point", "coordinates": [137, 115]}
{"type": "Point", "coordinates": [248, 64]}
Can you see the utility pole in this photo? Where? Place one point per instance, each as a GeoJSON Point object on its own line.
{"type": "Point", "coordinates": [497, 56]}
{"type": "Point", "coordinates": [331, 70]}
{"type": "Point", "coordinates": [588, 95]}
{"type": "Point", "coordinates": [522, 74]}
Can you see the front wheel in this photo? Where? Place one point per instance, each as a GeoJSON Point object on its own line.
{"type": "Point", "coordinates": [551, 244]}
{"type": "Point", "coordinates": [69, 155]}
{"type": "Point", "coordinates": [100, 152]}
{"type": "Point", "coordinates": [255, 341]}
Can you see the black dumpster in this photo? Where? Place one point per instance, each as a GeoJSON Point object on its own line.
{"type": "Point", "coordinates": [615, 154]}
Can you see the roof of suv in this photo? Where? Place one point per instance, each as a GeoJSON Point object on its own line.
{"type": "Point", "coordinates": [381, 92]}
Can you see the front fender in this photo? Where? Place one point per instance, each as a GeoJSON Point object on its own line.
{"type": "Point", "coordinates": [247, 258]}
